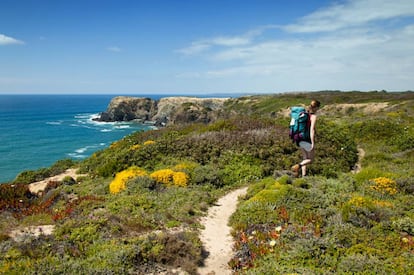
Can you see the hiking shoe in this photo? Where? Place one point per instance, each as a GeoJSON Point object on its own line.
{"type": "Point", "coordinates": [295, 169]}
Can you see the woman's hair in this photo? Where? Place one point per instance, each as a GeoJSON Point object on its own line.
{"type": "Point", "coordinates": [315, 104]}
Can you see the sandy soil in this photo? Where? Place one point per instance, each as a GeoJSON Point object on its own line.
{"type": "Point", "coordinates": [216, 236]}
{"type": "Point", "coordinates": [358, 166]}
{"type": "Point", "coordinates": [20, 235]}
{"type": "Point", "coordinates": [40, 186]}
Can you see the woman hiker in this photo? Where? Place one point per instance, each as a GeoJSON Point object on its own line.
{"type": "Point", "coordinates": [308, 148]}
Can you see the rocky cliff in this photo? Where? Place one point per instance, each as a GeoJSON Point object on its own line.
{"type": "Point", "coordinates": [168, 110]}
{"type": "Point", "coordinates": [123, 108]}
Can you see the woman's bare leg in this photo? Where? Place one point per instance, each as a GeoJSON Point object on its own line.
{"type": "Point", "coordinates": [307, 159]}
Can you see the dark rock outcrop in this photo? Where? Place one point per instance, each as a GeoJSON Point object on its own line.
{"type": "Point", "coordinates": [123, 108]}
{"type": "Point", "coordinates": [169, 110]}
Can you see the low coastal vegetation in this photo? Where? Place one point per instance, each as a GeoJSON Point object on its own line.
{"type": "Point", "coordinates": [137, 207]}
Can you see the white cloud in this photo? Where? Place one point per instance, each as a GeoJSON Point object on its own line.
{"type": "Point", "coordinates": [204, 45]}
{"type": "Point", "coordinates": [230, 41]}
{"type": "Point", "coordinates": [336, 52]}
{"type": "Point", "coordinates": [195, 48]}
{"type": "Point", "coordinates": [6, 40]}
{"type": "Point", "coordinates": [365, 44]}
{"type": "Point", "coordinates": [200, 46]}
{"type": "Point", "coordinates": [114, 49]}
{"type": "Point", "coordinates": [350, 14]}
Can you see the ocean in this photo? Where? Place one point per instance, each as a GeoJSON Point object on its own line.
{"type": "Point", "coordinates": [38, 130]}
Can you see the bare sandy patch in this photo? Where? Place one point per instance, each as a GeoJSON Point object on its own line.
{"type": "Point", "coordinates": [31, 231]}
{"type": "Point", "coordinates": [365, 108]}
{"type": "Point", "coordinates": [40, 186]}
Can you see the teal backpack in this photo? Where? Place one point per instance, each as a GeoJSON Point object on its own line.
{"type": "Point", "coordinates": [299, 128]}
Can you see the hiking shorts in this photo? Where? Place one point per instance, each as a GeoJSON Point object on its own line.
{"type": "Point", "coordinates": [307, 146]}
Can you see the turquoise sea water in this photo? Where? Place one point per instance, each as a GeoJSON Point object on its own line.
{"type": "Point", "coordinates": [38, 130]}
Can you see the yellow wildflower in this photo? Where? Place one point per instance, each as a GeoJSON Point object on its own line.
{"type": "Point", "coordinates": [119, 182]}
{"type": "Point", "coordinates": [168, 176]}
{"type": "Point", "coordinates": [163, 176]}
{"type": "Point", "coordinates": [359, 201]}
{"type": "Point", "coordinates": [185, 166]}
{"type": "Point", "coordinates": [135, 147]}
{"type": "Point", "coordinates": [149, 142]}
{"type": "Point", "coordinates": [383, 204]}
{"type": "Point", "coordinates": [384, 185]}
{"type": "Point", "coordinates": [180, 179]}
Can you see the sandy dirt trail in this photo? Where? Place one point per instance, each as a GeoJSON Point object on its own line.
{"type": "Point", "coordinates": [216, 236]}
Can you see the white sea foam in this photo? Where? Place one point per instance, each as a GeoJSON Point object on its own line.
{"type": "Point", "coordinates": [59, 122]}
{"type": "Point", "coordinates": [122, 126]}
{"type": "Point", "coordinates": [93, 116]}
{"type": "Point", "coordinates": [86, 116]}
{"type": "Point", "coordinates": [104, 126]}
{"type": "Point", "coordinates": [76, 156]}
{"type": "Point", "coordinates": [83, 151]}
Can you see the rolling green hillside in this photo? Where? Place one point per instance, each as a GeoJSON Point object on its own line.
{"type": "Point", "coordinates": [137, 206]}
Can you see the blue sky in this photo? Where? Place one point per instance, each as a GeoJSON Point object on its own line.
{"type": "Point", "coordinates": [205, 46]}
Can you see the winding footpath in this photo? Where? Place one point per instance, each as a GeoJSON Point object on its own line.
{"type": "Point", "coordinates": [358, 165]}
{"type": "Point", "coordinates": [216, 235]}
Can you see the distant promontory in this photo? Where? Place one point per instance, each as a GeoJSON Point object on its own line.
{"type": "Point", "coordinates": [168, 110]}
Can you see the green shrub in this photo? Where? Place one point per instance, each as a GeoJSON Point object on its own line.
{"type": "Point", "coordinates": [207, 174]}
{"type": "Point", "coordinates": [366, 174]}
{"type": "Point", "coordinates": [181, 249]}
{"type": "Point", "coordinates": [30, 176]}
{"type": "Point", "coordinates": [239, 168]}
{"type": "Point", "coordinates": [403, 139]}
{"type": "Point", "coordinates": [336, 150]}
{"type": "Point", "coordinates": [68, 180]}
{"type": "Point", "coordinates": [27, 177]}
{"type": "Point", "coordinates": [406, 185]}
{"type": "Point", "coordinates": [254, 212]}
{"type": "Point", "coordinates": [404, 224]}
{"type": "Point", "coordinates": [365, 212]}
{"type": "Point", "coordinates": [284, 180]}
{"type": "Point", "coordinates": [361, 264]}
{"type": "Point", "coordinates": [379, 129]}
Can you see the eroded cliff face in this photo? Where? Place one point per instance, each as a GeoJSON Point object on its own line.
{"type": "Point", "coordinates": [124, 108]}
{"type": "Point", "coordinates": [169, 110]}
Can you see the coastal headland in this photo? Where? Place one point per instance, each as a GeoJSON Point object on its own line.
{"type": "Point", "coordinates": [162, 112]}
